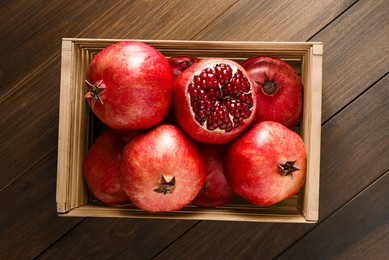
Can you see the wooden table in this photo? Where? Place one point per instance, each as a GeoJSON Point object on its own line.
{"type": "Point", "coordinates": [354, 183]}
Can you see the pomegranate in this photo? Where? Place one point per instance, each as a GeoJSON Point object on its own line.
{"type": "Point", "coordinates": [162, 169]}
{"type": "Point", "coordinates": [279, 90]}
{"type": "Point", "coordinates": [101, 167]}
{"type": "Point", "coordinates": [129, 86]}
{"type": "Point", "coordinates": [180, 63]}
{"type": "Point", "coordinates": [214, 100]}
{"type": "Point", "coordinates": [267, 164]}
{"type": "Point", "coordinates": [216, 191]}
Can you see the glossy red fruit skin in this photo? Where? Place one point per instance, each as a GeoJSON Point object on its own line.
{"type": "Point", "coordinates": [101, 167]}
{"type": "Point", "coordinates": [180, 63]}
{"type": "Point", "coordinates": [285, 105]}
{"type": "Point", "coordinates": [185, 115]}
{"type": "Point", "coordinates": [164, 150]}
{"type": "Point", "coordinates": [252, 160]}
{"type": "Point", "coordinates": [216, 191]}
{"type": "Point", "coordinates": [137, 85]}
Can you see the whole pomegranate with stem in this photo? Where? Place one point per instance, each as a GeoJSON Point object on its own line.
{"type": "Point", "coordinates": [180, 63]}
{"type": "Point", "coordinates": [267, 164]}
{"type": "Point", "coordinates": [162, 169]}
{"type": "Point", "coordinates": [129, 86]}
{"type": "Point", "coordinates": [216, 191]}
{"type": "Point", "coordinates": [101, 167]}
{"type": "Point", "coordinates": [214, 100]}
{"type": "Point", "coordinates": [279, 90]}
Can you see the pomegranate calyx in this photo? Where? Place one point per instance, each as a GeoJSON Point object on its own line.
{"type": "Point", "coordinates": [94, 91]}
{"type": "Point", "coordinates": [165, 186]}
{"type": "Point", "coordinates": [269, 86]}
{"type": "Point", "coordinates": [288, 168]}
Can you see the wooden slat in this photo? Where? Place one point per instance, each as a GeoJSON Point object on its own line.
{"type": "Point", "coordinates": [29, 122]}
{"type": "Point", "coordinates": [29, 223]}
{"type": "Point", "coordinates": [107, 238]}
{"type": "Point", "coordinates": [285, 20]}
{"type": "Point", "coordinates": [356, 52]}
{"type": "Point", "coordinates": [361, 229]}
{"type": "Point", "coordinates": [343, 175]}
{"type": "Point", "coordinates": [31, 33]}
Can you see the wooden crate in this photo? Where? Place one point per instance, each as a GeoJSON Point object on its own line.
{"type": "Point", "coordinates": [76, 123]}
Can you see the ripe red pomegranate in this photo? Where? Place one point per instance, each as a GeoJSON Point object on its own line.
{"type": "Point", "coordinates": [162, 170]}
{"type": "Point", "coordinates": [279, 90]}
{"type": "Point", "coordinates": [266, 164]}
{"type": "Point", "coordinates": [101, 167]}
{"type": "Point", "coordinates": [214, 100]}
{"type": "Point", "coordinates": [216, 191]}
{"type": "Point", "coordinates": [180, 63]}
{"type": "Point", "coordinates": [129, 86]}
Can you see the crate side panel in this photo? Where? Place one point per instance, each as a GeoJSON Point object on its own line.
{"type": "Point", "coordinates": [64, 133]}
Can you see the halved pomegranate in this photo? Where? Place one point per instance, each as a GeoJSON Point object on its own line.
{"type": "Point", "coordinates": [214, 100]}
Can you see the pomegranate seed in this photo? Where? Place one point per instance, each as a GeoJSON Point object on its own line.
{"type": "Point", "coordinates": [219, 98]}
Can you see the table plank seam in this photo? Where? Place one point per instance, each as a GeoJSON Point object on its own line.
{"type": "Point", "coordinates": [355, 98]}
{"type": "Point", "coordinates": [334, 19]}
{"type": "Point", "coordinates": [335, 211]}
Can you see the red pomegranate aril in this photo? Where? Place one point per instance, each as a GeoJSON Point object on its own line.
{"type": "Point", "coordinates": [209, 88]}
{"type": "Point", "coordinates": [203, 97]}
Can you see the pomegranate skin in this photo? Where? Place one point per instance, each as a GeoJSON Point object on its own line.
{"type": "Point", "coordinates": [279, 90]}
{"type": "Point", "coordinates": [216, 190]}
{"type": "Point", "coordinates": [252, 163]}
{"type": "Point", "coordinates": [186, 116]}
{"type": "Point", "coordinates": [101, 167]}
{"type": "Point", "coordinates": [152, 159]}
{"type": "Point", "coordinates": [135, 89]}
{"type": "Point", "coordinates": [180, 63]}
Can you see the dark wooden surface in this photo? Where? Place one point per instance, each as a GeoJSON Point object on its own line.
{"type": "Point", "coordinates": [354, 191]}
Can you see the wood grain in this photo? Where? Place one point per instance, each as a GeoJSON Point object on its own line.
{"type": "Point", "coordinates": [32, 113]}
{"type": "Point", "coordinates": [29, 223]}
{"type": "Point", "coordinates": [356, 53]}
{"type": "Point", "coordinates": [285, 20]}
{"type": "Point", "coordinates": [30, 38]}
{"type": "Point", "coordinates": [359, 233]}
{"type": "Point", "coordinates": [116, 238]}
